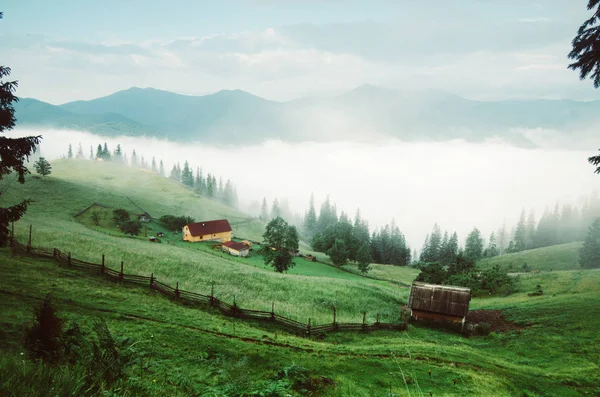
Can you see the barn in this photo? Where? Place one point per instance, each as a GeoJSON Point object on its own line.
{"type": "Point", "coordinates": [235, 249]}
{"type": "Point", "coordinates": [217, 230]}
{"type": "Point", "coordinates": [439, 302]}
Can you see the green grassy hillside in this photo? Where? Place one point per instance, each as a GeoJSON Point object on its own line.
{"type": "Point", "coordinates": [554, 354]}
{"type": "Point", "coordinates": [556, 257]}
{"type": "Point", "coordinates": [309, 291]}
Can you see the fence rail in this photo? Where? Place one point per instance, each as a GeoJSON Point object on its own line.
{"type": "Point", "coordinates": [194, 299]}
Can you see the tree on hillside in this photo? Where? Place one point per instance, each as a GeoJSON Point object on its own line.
{"type": "Point", "coordinates": [105, 152]}
{"type": "Point", "coordinates": [153, 168]}
{"type": "Point", "coordinates": [120, 216]}
{"type": "Point", "coordinates": [474, 245]}
{"type": "Point", "coordinates": [492, 249]}
{"type": "Point", "coordinates": [338, 253]}
{"type": "Point", "coordinates": [187, 176]}
{"type": "Point", "coordinates": [99, 153]}
{"type": "Point", "coordinates": [264, 211]}
{"type": "Point", "coordinates": [118, 155]}
{"type": "Point", "coordinates": [589, 254]}
{"type": "Point", "coordinates": [174, 174]}
{"type": "Point", "coordinates": [134, 160]}
{"type": "Point", "coordinates": [586, 53]}
{"type": "Point", "coordinates": [70, 152]}
{"type": "Point", "coordinates": [275, 209]}
{"type": "Point", "coordinates": [79, 151]}
{"type": "Point", "coordinates": [13, 151]}
{"type": "Point", "coordinates": [42, 167]}
{"type": "Point", "coordinates": [520, 234]}
{"type": "Point", "coordinates": [363, 257]}
{"type": "Point", "coordinates": [310, 219]}
{"type": "Point", "coordinates": [175, 223]}
{"type": "Point", "coordinates": [91, 152]}
{"type": "Point", "coordinates": [131, 227]}
{"type": "Point", "coordinates": [280, 241]}
{"type": "Point", "coordinates": [161, 169]}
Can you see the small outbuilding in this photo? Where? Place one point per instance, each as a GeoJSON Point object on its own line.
{"type": "Point", "coordinates": [235, 249]}
{"type": "Point", "coordinates": [218, 230]}
{"type": "Point", "coordinates": [145, 217]}
{"type": "Point", "coordinates": [439, 302]}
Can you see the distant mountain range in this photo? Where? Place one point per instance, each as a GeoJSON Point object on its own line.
{"type": "Point", "coordinates": [367, 112]}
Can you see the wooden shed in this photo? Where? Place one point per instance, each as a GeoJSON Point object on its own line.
{"type": "Point", "coordinates": [439, 302]}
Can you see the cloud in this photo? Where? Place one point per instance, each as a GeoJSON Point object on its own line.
{"type": "Point", "coordinates": [513, 59]}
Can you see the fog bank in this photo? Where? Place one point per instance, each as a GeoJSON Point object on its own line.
{"type": "Point", "coordinates": [456, 184]}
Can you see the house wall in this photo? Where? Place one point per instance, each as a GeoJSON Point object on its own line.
{"type": "Point", "coordinates": [222, 237]}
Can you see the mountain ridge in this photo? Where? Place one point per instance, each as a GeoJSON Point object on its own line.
{"type": "Point", "coordinates": [242, 117]}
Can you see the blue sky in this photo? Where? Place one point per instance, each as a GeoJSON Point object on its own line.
{"type": "Point", "coordinates": [284, 49]}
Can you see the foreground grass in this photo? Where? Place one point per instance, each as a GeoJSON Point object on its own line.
{"type": "Point", "coordinates": [555, 257]}
{"type": "Point", "coordinates": [555, 355]}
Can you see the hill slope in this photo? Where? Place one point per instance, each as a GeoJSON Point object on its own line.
{"type": "Point", "coordinates": [556, 257]}
{"type": "Point", "coordinates": [363, 113]}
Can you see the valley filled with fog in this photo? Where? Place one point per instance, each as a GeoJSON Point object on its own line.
{"type": "Point", "coordinates": [456, 184]}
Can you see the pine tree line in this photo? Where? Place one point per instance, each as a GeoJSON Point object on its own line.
{"type": "Point", "coordinates": [563, 224]}
{"type": "Point", "coordinates": [343, 239]}
{"type": "Point", "coordinates": [205, 186]}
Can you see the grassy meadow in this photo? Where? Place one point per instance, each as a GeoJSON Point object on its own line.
{"type": "Point", "coordinates": [556, 257]}
{"type": "Point", "coordinates": [551, 351]}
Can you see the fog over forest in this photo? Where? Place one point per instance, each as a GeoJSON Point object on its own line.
{"type": "Point", "coordinates": [456, 184]}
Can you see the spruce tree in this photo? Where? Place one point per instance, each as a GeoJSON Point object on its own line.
{"type": "Point", "coordinates": [363, 257]}
{"type": "Point", "coordinates": [474, 245]}
{"type": "Point", "coordinates": [134, 159]}
{"type": "Point", "coordinates": [264, 211]}
{"type": "Point", "coordinates": [42, 167]}
{"type": "Point", "coordinates": [105, 152]}
{"type": "Point", "coordinates": [153, 168]}
{"type": "Point", "coordinates": [174, 175]}
{"type": "Point", "coordinates": [91, 153]}
{"type": "Point", "coordinates": [79, 151]}
{"type": "Point", "coordinates": [520, 234]}
{"type": "Point", "coordinates": [492, 249]}
{"type": "Point", "coordinates": [310, 219]}
{"type": "Point", "coordinates": [161, 169]}
{"type": "Point", "coordinates": [99, 152]}
{"type": "Point", "coordinates": [118, 155]}
{"type": "Point", "coordinates": [187, 177]}
{"type": "Point", "coordinates": [338, 253]}
{"type": "Point", "coordinates": [585, 46]}
{"type": "Point", "coordinates": [589, 254]}
{"type": "Point", "coordinates": [13, 151]}
{"type": "Point", "coordinates": [70, 152]}
{"type": "Point", "coordinates": [275, 209]}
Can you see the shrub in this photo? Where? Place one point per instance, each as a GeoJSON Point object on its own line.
{"type": "Point", "coordinates": [43, 339]}
{"type": "Point", "coordinates": [120, 215]}
{"type": "Point", "coordinates": [131, 227]}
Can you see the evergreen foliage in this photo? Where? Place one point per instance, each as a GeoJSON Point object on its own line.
{"type": "Point", "coordinates": [42, 167]}
{"type": "Point", "coordinates": [589, 254]}
{"type": "Point", "coordinates": [13, 151]}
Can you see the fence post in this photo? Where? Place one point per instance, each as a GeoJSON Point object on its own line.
{"type": "Point", "coordinates": [334, 317]}
{"type": "Point", "coordinates": [152, 280]}
{"type": "Point", "coordinates": [273, 311]}
{"type": "Point", "coordinates": [29, 241]}
{"type": "Point", "coordinates": [121, 275]}
{"type": "Point", "coordinates": [364, 324]}
{"type": "Point", "coordinates": [69, 259]}
{"type": "Point", "coordinates": [377, 321]}
{"type": "Point", "coordinates": [102, 266]}
{"type": "Point", "coordinates": [177, 289]}
{"type": "Point", "coordinates": [234, 307]}
{"type": "Point", "coordinates": [54, 254]}
{"type": "Point", "coordinates": [308, 327]}
{"type": "Point", "coordinates": [212, 294]}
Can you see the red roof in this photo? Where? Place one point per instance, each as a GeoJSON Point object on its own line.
{"type": "Point", "coordinates": [235, 246]}
{"type": "Point", "coordinates": [209, 227]}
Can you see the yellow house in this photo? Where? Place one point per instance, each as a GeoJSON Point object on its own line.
{"type": "Point", "coordinates": [218, 230]}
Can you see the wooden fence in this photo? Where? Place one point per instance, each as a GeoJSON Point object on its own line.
{"type": "Point", "coordinates": [195, 299]}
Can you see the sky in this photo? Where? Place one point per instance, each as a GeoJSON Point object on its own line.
{"type": "Point", "coordinates": [68, 50]}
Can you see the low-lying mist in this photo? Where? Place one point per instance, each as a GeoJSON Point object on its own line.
{"type": "Point", "coordinates": [456, 184]}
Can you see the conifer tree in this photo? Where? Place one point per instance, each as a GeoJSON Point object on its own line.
{"type": "Point", "coordinates": [105, 152]}
{"type": "Point", "coordinates": [118, 155]}
{"type": "Point", "coordinates": [174, 174]}
{"type": "Point", "coordinates": [492, 249]}
{"type": "Point", "coordinates": [310, 219]}
{"type": "Point", "coordinates": [154, 169]}
{"type": "Point", "coordinates": [70, 152]}
{"type": "Point", "coordinates": [13, 151]}
{"type": "Point", "coordinates": [42, 167]}
{"type": "Point", "coordinates": [520, 234]}
{"type": "Point", "coordinates": [187, 177]}
{"type": "Point", "coordinates": [99, 153]}
{"type": "Point", "coordinates": [275, 209]}
{"type": "Point", "coordinates": [338, 253]}
{"type": "Point", "coordinates": [589, 254]}
{"type": "Point", "coordinates": [161, 169]}
{"type": "Point", "coordinates": [91, 153]}
{"type": "Point", "coordinates": [474, 245]}
{"type": "Point", "coordinates": [134, 159]}
{"type": "Point", "coordinates": [79, 152]}
{"type": "Point", "coordinates": [264, 211]}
